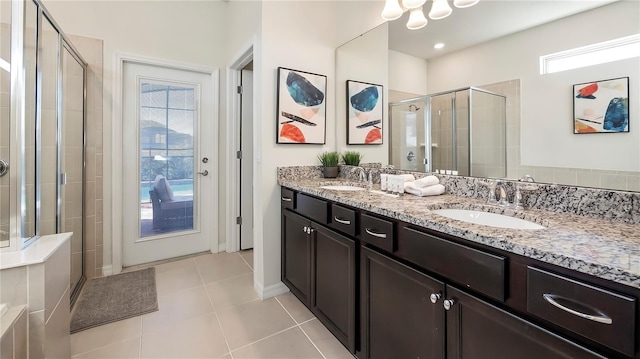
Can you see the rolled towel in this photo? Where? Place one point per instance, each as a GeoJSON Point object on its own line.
{"type": "Point", "coordinates": [408, 177]}
{"type": "Point", "coordinates": [426, 181]}
{"type": "Point", "coordinates": [426, 191]}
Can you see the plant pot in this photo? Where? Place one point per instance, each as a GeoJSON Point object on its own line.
{"type": "Point", "coordinates": [330, 172]}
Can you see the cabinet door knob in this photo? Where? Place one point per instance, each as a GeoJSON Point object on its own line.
{"type": "Point", "coordinates": [448, 304]}
{"type": "Point", "coordinates": [435, 297]}
{"type": "Point", "coordinates": [305, 229]}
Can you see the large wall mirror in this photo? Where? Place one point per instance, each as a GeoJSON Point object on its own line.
{"type": "Point", "coordinates": [496, 46]}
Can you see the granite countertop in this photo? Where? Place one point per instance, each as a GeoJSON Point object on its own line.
{"type": "Point", "coordinates": [598, 247]}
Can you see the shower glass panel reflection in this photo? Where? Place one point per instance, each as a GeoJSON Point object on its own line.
{"type": "Point", "coordinates": [407, 134]}
{"type": "Point", "coordinates": [465, 131]}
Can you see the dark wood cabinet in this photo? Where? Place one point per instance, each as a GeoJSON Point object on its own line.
{"type": "Point", "coordinates": [380, 286]}
{"type": "Point", "coordinates": [296, 255]}
{"type": "Point", "coordinates": [398, 318]}
{"type": "Point", "coordinates": [479, 330]}
{"type": "Point", "coordinates": [333, 298]}
{"type": "Point", "coordinates": [319, 267]}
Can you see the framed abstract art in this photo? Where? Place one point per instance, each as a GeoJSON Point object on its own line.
{"type": "Point", "coordinates": [364, 113]}
{"type": "Point", "coordinates": [301, 107]}
{"type": "Point", "coordinates": [601, 106]}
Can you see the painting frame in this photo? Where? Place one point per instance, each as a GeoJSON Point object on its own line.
{"type": "Point", "coordinates": [364, 117]}
{"type": "Point", "coordinates": [601, 106]}
{"type": "Point", "coordinates": [301, 107]}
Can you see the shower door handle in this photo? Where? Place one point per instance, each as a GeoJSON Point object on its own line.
{"type": "Point", "coordinates": [4, 167]}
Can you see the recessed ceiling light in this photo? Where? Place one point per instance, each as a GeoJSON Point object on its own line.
{"type": "Point", "coordinates": [438, 45]}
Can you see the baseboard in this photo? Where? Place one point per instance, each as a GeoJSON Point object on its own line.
{"type": "Point", "coordinates": [107, 270]}
{"type": "Point", "coordinates": [270, 291]}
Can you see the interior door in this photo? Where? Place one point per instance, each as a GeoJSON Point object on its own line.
{"type": "Point", "coordinates": [168, 161]}
{"type": "Point", "coordinates": [246, 161]}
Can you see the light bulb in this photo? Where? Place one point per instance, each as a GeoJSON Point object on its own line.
{"type": "Point", "coordinates": [392, 10]}
{"type": "Point", "coordinates": [416, 19]}
{"type": "Point", "coordinates": [413, 4]}
{"type": "Point", "coordinates": [464, 3]}
{"type": "Point", "coordinates": [440, 9]}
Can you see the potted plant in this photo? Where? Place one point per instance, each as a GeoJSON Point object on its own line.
{"type": "Point", "coordinates": [351, 158]}
{"type": "Point", "coordinates": [329, 161]}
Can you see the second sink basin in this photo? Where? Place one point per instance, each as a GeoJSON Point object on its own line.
{"type": "Point", "coordinates": [487, 219]}
{"type": "Point", "coordinates": [343, 188]}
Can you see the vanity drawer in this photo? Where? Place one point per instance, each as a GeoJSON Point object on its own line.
{"type": "Point", "coordinates": [313, 208]}
{"type": "Point", "coordinates": [287, 198]}
{"type": "Point", "coordinates": [377, 231]}
{"type": "Point", "coordinates": [474, 269]}
{"type": "Point", "coordinates": [343, 219]}
{"type": "Point", "coordinates": [595, 313]}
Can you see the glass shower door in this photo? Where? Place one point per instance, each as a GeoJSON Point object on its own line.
{"type": "Point", "coordinates": [5, 119]}
{"type": "Point", "coordinates": [71, 186]}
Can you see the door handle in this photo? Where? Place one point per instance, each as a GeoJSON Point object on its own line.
{"type": "Point", "coordinates": [4, 167]}
{"type": "Point", "coordinates": [204, 173]}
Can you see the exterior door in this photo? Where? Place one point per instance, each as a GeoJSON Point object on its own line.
{"type": "Point", "coordinates": [168, 161]}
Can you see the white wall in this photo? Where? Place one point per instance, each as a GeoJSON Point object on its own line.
{"type": "Point", "coordinates": [547, 137]}
{"type": "Point", "coordinates": [407, 73]}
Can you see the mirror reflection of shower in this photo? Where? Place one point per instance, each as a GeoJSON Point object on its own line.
{"type": "Point", "coordinates": [407, 134]}
{"type": "Point", "coordinates": [465, 131]}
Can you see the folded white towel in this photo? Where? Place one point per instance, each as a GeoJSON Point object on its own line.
{"type": "Point", "coordinates": [427, 181]}
{"type": "Point", "coordinates": [426, 191]}
{"type": "Point", "coordinates": [408, 177]}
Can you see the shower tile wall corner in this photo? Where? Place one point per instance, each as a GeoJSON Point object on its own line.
{"type": "Point", "coordinates": [92, 52]}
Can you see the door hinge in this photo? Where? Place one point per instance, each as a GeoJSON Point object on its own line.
{"type": "Point", "coordinates": [239, 221]}
{"type": "Point", "coordinates": [239, 90]}
{"type": "Point", "coordinates": [239, 155]}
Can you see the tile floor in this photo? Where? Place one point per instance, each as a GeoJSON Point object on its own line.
{"type": "Point", "coordinates": [208, 309]}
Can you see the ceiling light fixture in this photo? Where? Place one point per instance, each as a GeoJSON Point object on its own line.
{"type": "Point", "coordinates": [440, 9]}
{"type": "Point", "coordinates": [392, 10]}
{"type": "Point", "coordinates": [438, 45]}
{"type": "Point", "coordinates": [416, 19]}
{"type": "Point", "coordinates": [461, 4]}
{"type": "Point", "coordinates": [413, 4]}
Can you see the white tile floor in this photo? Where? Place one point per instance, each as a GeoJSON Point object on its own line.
{"type": "Point", "coordinates": [208, 309]}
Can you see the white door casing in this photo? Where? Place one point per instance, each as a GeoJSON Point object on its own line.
{"type": "Point", "coordinates": [246, 167]}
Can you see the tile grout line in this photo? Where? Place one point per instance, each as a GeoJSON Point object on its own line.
{"type": "Point", "coordinates": [226, 342]}
{"type": "Point", "coordinates": [299, 325]}
{"type": "Point", "coordinates": [267, 337]}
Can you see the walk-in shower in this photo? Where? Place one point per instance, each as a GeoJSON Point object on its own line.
{"type": "Point", "coordinates": [42, 132]}
{"type": "Point", "coordinates": [462, 131]}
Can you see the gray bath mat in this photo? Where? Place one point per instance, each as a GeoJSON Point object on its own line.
{"type": "Point", "coordinates": [113, 298]}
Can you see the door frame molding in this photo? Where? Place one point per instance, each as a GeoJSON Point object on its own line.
{"type": "Point", "coordinates": [117, 153]}
{"type": "Point", "coordinates": [244, 57]}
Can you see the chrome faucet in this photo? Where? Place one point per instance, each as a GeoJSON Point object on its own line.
{"type": "Point", "coordinates": [502, 190]}
{"type": "Point", "coordinates": [362, 174]}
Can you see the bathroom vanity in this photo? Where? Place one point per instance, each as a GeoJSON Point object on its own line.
{"type": "Point", "coordinates": [391, 279]}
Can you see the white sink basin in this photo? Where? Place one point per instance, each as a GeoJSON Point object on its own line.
{"type": "Point", "coordinates": [343, 188]}
{"type": "Point", "coordinates": [487, 219]}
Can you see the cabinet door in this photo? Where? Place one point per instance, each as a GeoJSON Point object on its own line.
{"type": "Point", "coordinates": [296, 255]}
{"type": "Point", "coordinates": [398, 318]}
{"type": "Point", "coordinates": [478, 330]}
{"type": "Point", "coordinates": [334, 283]}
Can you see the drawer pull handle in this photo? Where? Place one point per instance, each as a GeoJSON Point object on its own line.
{"type": "Point", "coordinates": [600, 319]}
{"type": "Point", "coordinates": [379, 235]}
{"type": "Point", "coordinates": [286, 199]}
{"type": "Point", "coordinates": [343, 221]}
